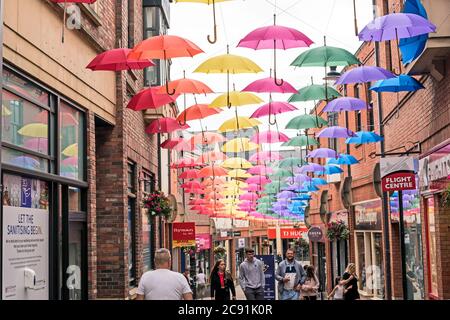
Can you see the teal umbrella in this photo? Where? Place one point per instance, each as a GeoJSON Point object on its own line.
{"type": "Point", "coordinates": [282, 173]}
{"type": "Point", "coordinates": [301, 141]}
{"type": "Point", "coordinates": [291, 162]}
{"type": "Point", "coordinates": [325, 56]}
{"type": "Point", "coordinates": [314, 92]}
{"type": "Point", "coordinates": [306, 121]}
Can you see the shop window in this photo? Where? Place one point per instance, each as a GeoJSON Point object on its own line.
{"type": "Point", "coordinates": [71, 126]}
{"type": "Point", "coordinates": [23, 160]}
{"type": "Point", "coordinates": [432, 253]}
{"type": "Point", "coordinates": [153, 26]}
{"type": "Point", "coordinates": [131, 29]}
{"type": "Point", "coordinates": [24, 88]}
{"type": "Point", "coordinates": [131, 224]}
{"type": "Point", "coordinates": [370, 115]}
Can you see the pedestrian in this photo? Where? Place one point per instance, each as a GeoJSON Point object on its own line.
{"type": "Point", "coordinates": [251, 276]}
{"type": "Point", "coordinates": [221, 282]}
{"type": "Point", "coordinates": [290, 276]}
{"type": "Point", "coordinates": [162, 283]}
{"type": "Point", "coordinates": [201, 283]}
{"type": "Point", "coordinates": [350, 282]}
{"type": "Point", "coordinates": [310, 288]}
{"type": "Point", "coordinates": [338, 291]}
{"type": "Point", "coordinates": [190, 280]}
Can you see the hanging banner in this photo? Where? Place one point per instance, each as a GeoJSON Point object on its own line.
{"type": "Point", "coordinates": [183, 234]}
{"type": "Point", "coordinates": [269, 274]}
{"type": "Point", "coordinates": [398, 173]}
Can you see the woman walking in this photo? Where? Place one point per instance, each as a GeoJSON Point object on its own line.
{"type": "Point", "coordinates": [201, 283]}
{"type": "Point", "coordinates": [310, 288]}
{"type": "Point", "coordinates": [350, 282]}
{"type": "Point", "coordinates": [221, 282]}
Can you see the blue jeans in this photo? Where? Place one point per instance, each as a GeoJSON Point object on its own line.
{"type": "Point", "coordinates": [289, 295]}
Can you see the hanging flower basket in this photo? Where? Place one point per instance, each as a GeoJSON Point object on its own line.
{"type": "Point", "coordinates": [220, 251]}
{"type": "Point", "coordinates": [445, 198]}
{"type": "Point", "coordinates": [337, 231]}
{"type": "Point", "coordinates": [157, 204]}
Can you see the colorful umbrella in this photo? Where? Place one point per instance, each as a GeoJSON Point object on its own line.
{"type": "Point", "coordinates": [268, 85]}
{"type": "Point", "coordinates": [322, 153]}
{"type": "Point", "coordinates": [212, 171]}
{"type": "Point", "coordinates": [272, 108]}
{"type": "Point", "coordinates": [345, 104]}
{"type": "Point", "coordinates": [35, 130]}
{"type": "Point", "coordinates": [189, 174]}
{"type": "Point", "coordinates": [269, 137]}
{"type": "Point", "coordinates": [306, 121]}
{"type": "Point", "coordinates": [37, 144]}
{"type": "Point", "coordinates": [336, 132]}
{"type": "Point", "coordinates": [301, 141]}
{"type": "Point", "coordinates": [185, 163]}
{"type": "Point", "coordinates": [236, 163]}
{"type": "Point", "coordinates": [197, 112]}
{"type": "Point", "coordinates": [252, 187]}
{"type": "Point", "coordinates": [363, 137]}
{"type": "Point", "coordinates": [170, 143]}
{"type": "Point", "coordinates": [207, 157]}
{"type": "Point", "coordinates": [260, 170]}
{"type": "Point", "coordinates": [265, 156]}
{"type": "Point", "coordinates": [397, 84]}
{"type": "Point", "coordinates": [259, 180]}
{"type": "Point", "coordinates": [150, 99]}
{"type": "Point", "coordinates": [291, 162]}
{"type": "Point", "coordinates": [71, 151]}
{"type": "Point", "coordinates": [239, 123]}
{"type": "Point", "coordinates": [26, 162]}
{"type": "Point", "coordinates": [282, 173]}
{"type": "Point", "coordinates": [238, 173]}
{"type": "Point", "coordinates": [314, 92]}
{"type": "Point", "coordinates": [239, 145]}
{"type": "Point", "coordinates": [311, 167]}
{"type": "Point", "coordinates": [330, 169]}
{"type": "Point", "coordinates": [185, 85]}
{"type": "Point", "coordinates": [191, 184]}
{"type": "Point", "coordinates": [117, 60]}
{"type": "Point", "coordinates": [235, 99]}
{"type": "Point", "coordinates": [325, 56]}
{"type": "Point", "coordinates": [344, 159]}
{"type": "Point", "coordinates": [208, 137]}
{"type": "Point", "coordinates": [71, 161]}
{"type": "Point", "coordinates": [185, 145]}
{"type": "Point", "coordinates": [364, 74]}
{"type": "Point", "coordinates": [164, 125]}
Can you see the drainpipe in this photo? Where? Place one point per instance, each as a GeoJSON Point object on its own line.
{"type": "Point", "coordinates": [1, 90]}
{"type": "Point", "coordinates": [387, 245]}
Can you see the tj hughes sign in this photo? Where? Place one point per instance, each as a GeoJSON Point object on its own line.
{"type": "Point", "coordinates": [434, 170]}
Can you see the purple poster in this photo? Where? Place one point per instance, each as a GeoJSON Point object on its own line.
{"type": "Point", "coordinates": [26, 193]}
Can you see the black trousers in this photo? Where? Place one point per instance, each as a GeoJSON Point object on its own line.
{"type": "Point", "coordinates": [222, 295]}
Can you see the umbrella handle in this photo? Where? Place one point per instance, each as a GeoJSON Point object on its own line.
{"type": "Point", "coordinates": [170, 93]}
{"type": "Point", "coordinates": [215, 25]}
{"type": "Point", "coordinates": [64, 22]}
{"type": "Point", "coordinates": [279, 84]}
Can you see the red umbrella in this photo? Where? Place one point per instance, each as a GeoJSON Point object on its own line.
{"type": "Point", "coordinates": [194, 190]}
{"type": "Point", "coordinates": [185, 163]}
{"type": "Point", "coordinates": [170, 143]}
{"type": "Point", "coordinates": [196, 202]}
{"type": "Point", "coordinates": [185, 145]}
{"type": "Point", "coordinates": [164, 125]}
{"type": "Point", "coordinates": [208, 137]}
{"type": "Point", "coordinates": [117, 60]}
{"type": "Point", "coordinates": [71, 1]}
{"type": "Point", "coordinates": [191, 185]}
{"type": "Point", "coordinates": [189, 174]}
{"type": "Point", "coordinates": [197, 111]}
{"type": "Point", "coordinates": [185, 85]}
{"type": "Point", "coordinates": [211, 171]}
{"type": "Point", "coordinates": [150, 99]}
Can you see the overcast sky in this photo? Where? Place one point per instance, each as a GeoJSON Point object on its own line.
{"type": "Point", "coordinates": [236, 18]}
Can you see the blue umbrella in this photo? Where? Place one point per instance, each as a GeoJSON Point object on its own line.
{"type": "Point", "coordinates": [302, 197]}
{"type": "Point", "coordinates": [363, 137]}
{"type": "Point", "coordinates": [26, 162]}
{"type": "Point", "coordinates": [319, 182]}
{"type": "Point", "coordinates": [413, 47]}
{"type": "Point", "coordinates": [401, 83]}
{"type": "Point", "coordinates": [330, 169]}
{"type": "Point", "coordinates": [346, 159]}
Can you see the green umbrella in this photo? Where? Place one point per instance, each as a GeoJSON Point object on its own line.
{"type": "Point", "coordinates": [314, 92]}
{"type": "Point", "coordinates": [306, 121]}
{"type": "Point", "coordinates": [291, 162]}
{"type": "Point", "coordinates": [301, 141]}
{"type": "Point", "coordinates": [266, 200]}
{"type": "Point", "coordinates": [282, 173]}
{"type": "Point", "coordinates": [264, 206]}
{"type": "Point", "coordinates": [325, 56]}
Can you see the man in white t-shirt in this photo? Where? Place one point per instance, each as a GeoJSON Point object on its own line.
{"type": "Point", "coordinates": [162, 283]}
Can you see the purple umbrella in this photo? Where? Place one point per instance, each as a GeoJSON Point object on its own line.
{"type": "Point", "coordinates": [322, 153]}
{"type": "Point", "coordinates": [312, 167]}
{"type": "Point", "coordinates": [345, 104]}
{"type": "Point", "coordinates": [286, 195]}
{"type": "Point", "coordinates": [364, 74]}
{"type": "Point", "coordinates": [336, 132]}
{"type": "Point", "coordinates": [396, 26]}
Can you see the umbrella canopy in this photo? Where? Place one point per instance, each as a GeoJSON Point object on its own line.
{"type": "Point", "coordinates": [35, 130]}
{"type": "Point", "coordinates": [150, 98]}
{"type": "Point", "coordinates": [235, 99]}
{"type": "Point", "coordinates": [301, 141]}
{"type": "Point", "coordinates": [314, 92]}
{"type": "Point", "coordinates": [268, 85]}
{"type": "Point", "coordinates": [319, 181]}
{"type": "Point", "coordinates": [196, 112]}
{"type": "Point", "coordinates": [291, 162]}
{"type": "Point", "coordinates": [311, 167]}
{"type": "Point", "coordinates": [345, 159]}
{"type": "Point", "coordinates": [185, 145]}
{"type": "Point", "coordinates": [185, 163]}
{"type": "Point", "coordinates": [401, 83]}
{"type": "Point", "coordinates": [363, 137]}
{"type": "Point", "coordinates": [189, 174]}
{"type": "Point", "coordinates": [396, 26]}
{"type": "Point", "coordinates": [336, 132]}
{"type": "Point", "coordinates": [265, 156]}
{"type": "Point", "coordinates": [191, 184]}
{"type": "Point", "coordinates": [26, 162]}
{"type": "Point", "coordinates": [269, 137]}
{"type": "Point", "coordinates": [253, 187]}
{"type": "Point", "coordinates": [322, 153]}
{"type": "Point", "coordinates": [164, 47]}
{"type": "Point", "coordinates": [117, 60]}
{"type": "Point", "coordinates": [330, 169]}
{"type": "Point", "coordinates": [282, 173]}
{"type": "Point", "coordinates": [212, 171]}
{"type": "Point", "coordinates": [259, 180]}
{"type": "Point", "coordinates": [228, 63]}
{"type": "Point", "coordinates": [364, 74]}
{"type": "Point", "coordinates": [164, 125]}
{"type": "Point", "coordinates": [236, 163]}
{"type": "Point", "coordinates": [209, 156]}
{"type": "Point", "coordinates": [239, 145]}
{"type": "Point", "coordinates": [325, 56]}
{"type": "Point", "coordinates": [305, 121]}
{"type": "Point", "coordinates": [71, 151]}
{"type": "Point", "coordinates": [239, 123]}
{"type": "Point", "coordinates": [273, 108]}
{"type": "Point", "coordinates": [208, 137]}
{"type": "Point", "coordinates": [238, 173]}
{"type": "Point", "coordinates": [170, 143]}
{"type": "Point", "coordinates": [260, 170]}
{"type": "Point", "coordinates": [345, 104]}
{"type": "Point", "coordinates": [185, 85]}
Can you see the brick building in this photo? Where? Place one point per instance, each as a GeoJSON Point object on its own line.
{"type": "Point", "coordinates": [414, 124]}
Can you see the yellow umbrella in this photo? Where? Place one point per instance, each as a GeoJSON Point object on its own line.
{"type": "Point", "coordinates": [238, 173]}
{"type": "Point", "coordinates": [35, 130]}
{"type": "Point", "coordinates": [235, 99]}
{"type": "Point", "coordinates": [230, 201]}
{"type": "Point", "coordinates": [6, 111]}
{"type": "Point", "coordinates": [71, 151]}
{"type": "Point", "coordinates": [208, 2]}
{"type": "Point", "coordinates": [239, 145]}
{"type": "Point", "coordinates": [228, 63]}
{"type": "Point", "coordinates": [236, 163]}
{"type": "Point", "coordinates": [239, 123]}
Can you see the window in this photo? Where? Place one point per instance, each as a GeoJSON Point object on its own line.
{"type": "Point", "coordinates": [333, 121]}
{"type": "Point", "coordinates": [131, 178]}
{"type": "Point", "coordinates": [148, 182]}
{"type": "Point", "coordinates": [433, 274]}
{"type": "Point", "coordinates": [358, 120]}
{"type": "Point", "coordinates": [131, 23]}
{"type": "Point", "coordinates": [370, 116]}
{"type": "Point", "coordinates": [131, 224]}
{"type": "Point", "coordinates": [153, 26]}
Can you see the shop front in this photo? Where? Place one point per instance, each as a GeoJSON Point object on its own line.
{"type": "Point", "coordinates": [316, 237]}
{"type": "Point", "coordinates": [369, 248]}
{"type": "Point", "coordinates": [434, 183]}
{"type": "Point", "coordinates": [339, 245]}
{"type": "Point", "coordinates": [44, 207]}
{"type": "Point", "coordinates": [203, 253]}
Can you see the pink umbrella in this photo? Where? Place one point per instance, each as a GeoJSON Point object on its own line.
{"type": "Point", "coordinates": [191, 184]}
{"type": "Point", "coordinates": [268, 85]}
{"type": "Point", "coordinates": [189, 174]}
{"type": "Point", "coordinates": [37, 144]}
{"type": "Point", "coordinates": [170, 143]}
{"type": "Point", "coordinates": [258, 180]}
{"type": "Point", "coordinates": [273, 108]}
{"type": "Point", "coordinates": [66, 118]}
{"type": "Point", "coordinates": [260, 169]}
{"type": "Point", "coordinates": [253, 187]}
{"type": "Point", "coordinates": [265, 156]}
{"type": "Point", "coordinates": [71, 161]}
{"type": "Point", "coordinates": [164, 125]}
{"type": "Point", "coordinates": [150, 99]}
{"type": "Point", "coordinates": [275, 37]}
{"type": "Point", "coordinates": [248, 196]}
{"type": "Point", "coordinates": [185, 163]}
{"type": "Point", "coordinates": [117, 60]}
{"type": "Point", "coordinates": [185, 145]}
{"type": "Point", "coordinates": [269, 137]}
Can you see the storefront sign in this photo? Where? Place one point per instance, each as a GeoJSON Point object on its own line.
{"type": "Point", "coordinates": [269, 274]}
{"type": "Point", "coordinates": [203, 241]}
{"type": "Point", "coordinates": [241, 243]}
{"type": "Point", "coordinates": [434, 170]}
{"type": "Point", "coordinates": [286, 233]}
{"type": "Point", "coordinates": [183, 234]}
{"type": "Point", "coordinates": [237, 223]}
{"type": "Point", "coordinates": [223, 234]}
{"type": "Point", "coordinates": [222, 223]}
{"type": "Point", "coordinates": [398, 173]}
{"type": "Point", "coordinates": [368, 215]}
{"type": "Point", "coordinates": [340, 216]}
{"type": "Point", "coordinates": [315, 234]}
{"type": "Point", "coordinates": [234, 234]}
{"type": "Point", "coordinates": [25, 251]}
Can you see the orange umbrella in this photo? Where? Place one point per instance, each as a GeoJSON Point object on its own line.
{"type": "Point", "coordinates": [211, 171]}
{"type": "Point", "coordinates": [197, 112]}
{"type": "Point", "coordinates": [185, 85]}
{"type": "Point", "coordinates": [215, 181]}
{"type": "Point", "coordinates": [208, 137]}
{"type": "Point", "coordinates": [211, 156]}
